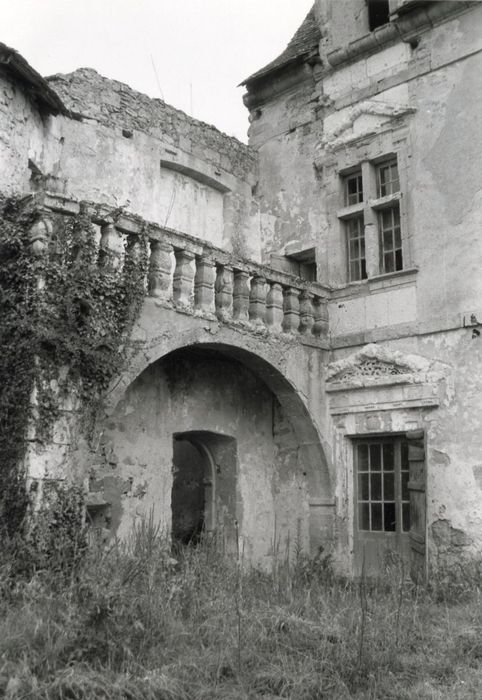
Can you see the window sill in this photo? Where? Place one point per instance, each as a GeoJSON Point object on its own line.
{"type": "Point", "coordinates": [385, 202]}
{"type": "Point", "coordinates": [350, 211]}
{"type": "Point", "coordinates": [387, 280]}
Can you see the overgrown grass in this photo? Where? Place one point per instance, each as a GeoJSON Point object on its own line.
{"type": "Point", "coordinates": [134, 622]}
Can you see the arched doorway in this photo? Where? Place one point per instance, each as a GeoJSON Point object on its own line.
{"type": "Point", "coordinates": [203, 497]}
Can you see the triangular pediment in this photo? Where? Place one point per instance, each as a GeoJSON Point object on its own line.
{"type": "Point", "coordinates": [375, 364]}
{"type": "Point", "coordinates": [367, 117]}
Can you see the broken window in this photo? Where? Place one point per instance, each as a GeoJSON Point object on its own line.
{"type": "Point", "coordinates": [356, 249]}
{"type": "Point", "coordinates": [378, 13]}
{"type": "Point", "coordinates": [353, 188]}
{"type": "Point", "coordinates": [381, 485]}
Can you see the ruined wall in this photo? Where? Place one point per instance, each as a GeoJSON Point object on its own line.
{"type": "Point", "coordinates": [122, 148]}
{"type": "Point", "coordinates": [199, 391]}
{"type": "Point", "coordinates": [21, 135]}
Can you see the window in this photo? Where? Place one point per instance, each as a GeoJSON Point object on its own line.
{"type": "Point", "coordinates": [378, 13]}
{"type": "Point", "coordinates": [356, 249]}
{"type": "Point", "coordinates": [381, 485]}
{"type": "Point", "coordinates": [371, 218]}
{"type": "Point", "coordinates": [388, 180]}
{"type": "Point", "coordinates": [353, 188]}
{"type": "Point", "coordinates": [390, 240]}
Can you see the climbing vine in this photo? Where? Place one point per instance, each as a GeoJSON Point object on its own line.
{"type": "Point", "coordinates": [66, 316]}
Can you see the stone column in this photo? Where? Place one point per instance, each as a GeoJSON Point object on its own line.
{"type": "Point", "coordinates": [183, 277]}
{"type": "Point", "coordinates": [257, 301]}
{"type": "Point", "coordinates": [320, 310]}
{"type": "Point", "coordinates": [241, 296]}
{"type": "Point", "coordinates": [223, 292]}
{"type": "Point", "coordinates": [204, 286]}
{"type": "Point", "coordinates": [274, 307]}
{"type": "Point", "coordinates": [159, 278]}
{"type": "Point", "coordinates": [306, 312]}
{"type": "Point", "coordinates": [291, 306]}
{"type": "Point", "coordinates": [109, 253]}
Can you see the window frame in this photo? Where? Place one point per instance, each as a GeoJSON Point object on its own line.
{"type": "Point", "coordinates": [359, 260]}
{"type": "Point", "coordinates": [401, 494]}
{"type": "Point", "coordinates": [378, 260]}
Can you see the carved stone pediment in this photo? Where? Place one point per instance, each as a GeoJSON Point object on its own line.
{"type": "Point", "coordinates": [365, 118]}
{"type": "Point", "coordinates": [376, 365]}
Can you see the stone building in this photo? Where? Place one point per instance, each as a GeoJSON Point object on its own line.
{"type": "Point", "coordinates": [308, 366]}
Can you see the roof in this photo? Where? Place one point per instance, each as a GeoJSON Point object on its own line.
{"type": "Point", "coordinates": [303, 43]}
{"type": "Point", "coordinates": [35, 84]}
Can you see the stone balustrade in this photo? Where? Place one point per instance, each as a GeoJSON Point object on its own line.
{"type": "Point", "coordinates": [192, 276]}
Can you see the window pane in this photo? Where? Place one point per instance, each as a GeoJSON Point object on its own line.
{"type": "Point", "coordinates": [388, 486]}
{"type": "Point", "coordinates": [375, 457]}
{"type": "Point", "coordinates": [398, 260]}
{"type": "Point", "coordinates": [404, 453]}
{"type": "Point", "coordinates": [406, 516]}
{"type": "Point", "coordinates": [389, 515]}
{"type": "Point", "coordinates": [364, 516]}
{"type": "Point", "coordinates": [388, 456]}
{"type": "Point", "coordinates": [405, 491]}
{"type": "Point", "coordinates": [377, 516]}
{"type": "Point", "coordinates": [363, 487]}
{"type": "Point", "coordinates": [376, 483]}
{"type": "Point", "coordinates": [362, 457]}
{"type": "Point", "coordinates": [388, 263]}
{"type": "Point", "coordinates": [387, 241]}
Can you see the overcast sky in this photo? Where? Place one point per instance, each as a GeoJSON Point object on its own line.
{"type": "Point", "coordinates": [192, 53]}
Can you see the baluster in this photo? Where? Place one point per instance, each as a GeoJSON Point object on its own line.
{"type": "Point", "coordinates": [109, 253]}
{"type": "Point", "coordinates": [291, 307]}
{"type": "Point", "coordinates": [39, 235]}
{"type": "Point", "coordinates": [204, 286]}
{"type": "Point", "coordinates": [160, 265]}
{"type": "Point", "coordinates": [257, 301]}
{"type": "Point", "coordinates": [223, 292]}
{"type": "Point", "coordinates": [320, 326]}
{"type": "Point", "coordinates": [306, 312]}
{"type": "Point", "coordinates": [241, 296]}
{"type": "Point", "coordinates": [274, 307]}
{"type": "Point", "coordinates": [183, 277]}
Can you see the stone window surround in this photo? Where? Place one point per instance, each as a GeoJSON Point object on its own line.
{"type": "Point", "coordinates": [370, 207]}
{"type": "Point", "coordinates": [367, 152]}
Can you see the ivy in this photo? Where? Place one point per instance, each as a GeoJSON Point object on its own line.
{"type": "Point", "coordinates": [66, 317]}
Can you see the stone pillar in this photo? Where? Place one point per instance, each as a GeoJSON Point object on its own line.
{"type": "Point", "coordinates": [183, 277]}
{"type": "Point", "coordinates": [320, 310]}
{"type": "Point", "coordinates": [109, 253]}
{"type": "Point", "coordinates": [291, 306]}
{"type": "Point", "coordinates": [306, 312]}
{"type": "Point", "coordinates": [204, 286]}
{"type": "Point", "coordinates": [257, 301]}
{"type": "Point", "coordinates": [274, 307]}
{"type": "Point", "coordinates": [159, 278]}
{"type": "Point", "coordinates": [223, 292]}
{"type": "Point", "coordinates": [241, 296]}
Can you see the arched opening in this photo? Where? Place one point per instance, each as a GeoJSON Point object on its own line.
{"type": "Point", "coordinates": [197, 392]}
{"type": "Point", "coordinates": [203, 498]}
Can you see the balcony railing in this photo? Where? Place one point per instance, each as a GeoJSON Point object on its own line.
{"type": "Point", "coordinates": [192, 276]}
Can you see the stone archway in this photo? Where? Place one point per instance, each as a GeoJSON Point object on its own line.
{"type": "Point", "coordinates": [271, 371]}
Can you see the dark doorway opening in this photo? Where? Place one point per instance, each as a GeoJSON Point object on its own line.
{"type": "Point", "coordinates": [203, 500]}
{"type": "Point", "coordinates": [188, 500]}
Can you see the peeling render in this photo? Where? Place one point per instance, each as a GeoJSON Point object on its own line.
{"type": "Point", "coordinates": [273, 376]}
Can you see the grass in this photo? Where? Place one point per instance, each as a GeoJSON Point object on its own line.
{"type": "Point", "coordinates": [134, 622]}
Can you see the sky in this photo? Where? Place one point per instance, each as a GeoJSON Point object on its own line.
{"type": "Point", "coordinates": [191, 53]}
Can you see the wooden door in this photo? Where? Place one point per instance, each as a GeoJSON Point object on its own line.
{"type": "Point", "coordinates": [418, 509]}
